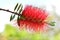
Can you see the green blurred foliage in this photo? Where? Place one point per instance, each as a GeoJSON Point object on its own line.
{"type": "Point", "coordinates": [13, 33]}
{"type": "Point", "coordinates": [57, 36]}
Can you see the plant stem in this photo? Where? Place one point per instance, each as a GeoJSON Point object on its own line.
{"type": "Point", "coordinates": [10, 11]}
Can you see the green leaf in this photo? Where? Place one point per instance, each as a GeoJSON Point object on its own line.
{"type": "Point", "coordinates": [52, 23]}
{"type": "Point", "coordinates": [18, 18]}
{"type": "Point", "coordinates": [15, 6]}
{"type": "Point", "coordinates": [12, 17]}
{"type": "Point", "coordinates": [19, 7]}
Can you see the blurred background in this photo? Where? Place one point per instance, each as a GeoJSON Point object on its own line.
{"type": "Point", "coordinates": [52, 6]}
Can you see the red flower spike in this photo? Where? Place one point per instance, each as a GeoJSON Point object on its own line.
{"type": "Point", "coordinates": [34, 13]}
{"type": "Point", "coordinates": [32, 25]}
{"type": "Point", "coordinates": [34, 19]}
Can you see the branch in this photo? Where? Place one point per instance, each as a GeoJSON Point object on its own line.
{"type": "Point", "coordinates": [10, 11]}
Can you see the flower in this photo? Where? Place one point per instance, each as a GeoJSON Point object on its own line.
{"type": "Point", "coordinates": [32, 25]}
{"type": "Point", "coordinates": [34, 18]}
{"type": "Point", "coordinates": [34, 14]}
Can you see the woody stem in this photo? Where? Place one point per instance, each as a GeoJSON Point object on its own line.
{"type": "Point", "coordinates": [10, 11]}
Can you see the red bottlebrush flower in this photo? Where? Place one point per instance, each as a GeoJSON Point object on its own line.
{"type": "Point", "coordinates": [32, 25]}
{"type": "Point", "coordinates": [34, 18]}
{"type": "Point", "coordinates": [34, 14]}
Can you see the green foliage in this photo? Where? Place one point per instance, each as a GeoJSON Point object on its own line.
{"type": "Point", "coordinates": [10, 30]}
{"type": "Point", "coordinates": [39, 36]}
{"type": "Point", "coordinates": [52, 23]}
{"type": "Point", "coordinates": [17, 9]}
{"type": "Point", "coordinates": [57, 36]}
{"type": "Point", "coordinates": [15, 6]}
{"type": "Point", "coordinates": [12, 33]}
{"type": "Point", "coordinates": [21, 8]}
{"type": "Point", "coordinates": [12, 17]}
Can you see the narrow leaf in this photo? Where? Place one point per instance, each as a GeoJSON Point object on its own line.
{"type": "Point", "coordinates": [18, 17]}
{"type": "Point", "coordinates": [15, 6]}
{"type": "Point", "coordinates": [12, 17]}
{"type": "Point", "coordinates": [52, 23]}
{"type": "Point", "coordinates": [19, 7]}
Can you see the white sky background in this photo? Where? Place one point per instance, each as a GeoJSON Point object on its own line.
{"type": "Point", "coordinates": [9, 4]}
